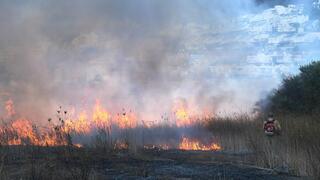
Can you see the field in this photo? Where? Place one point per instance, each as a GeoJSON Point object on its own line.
{"type": "Point", "coordinates": [237, 149]}
{"type": "Point", "coordinates": [80, 163]}
{"type": "Point", "coordinates": [296, 151]}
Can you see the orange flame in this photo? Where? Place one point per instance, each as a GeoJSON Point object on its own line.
{"type": "Point", "coordinates": [126, 120]}
{"type": "Point", "coordinates": [188, 144]}
{"type": "Point", "coordinates": [81, 125]}
{"type": "Point", "coordinates": [22, 132]}
{"type": "Point", "coordinates": [188, 114]}
{"type": "Point", "coordinates": [100, 117]}
{"type": "Point", "coordinates": [183, 118]}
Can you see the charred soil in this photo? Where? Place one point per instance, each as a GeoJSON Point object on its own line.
{"type": "Point", "coordinates": [21, 162]}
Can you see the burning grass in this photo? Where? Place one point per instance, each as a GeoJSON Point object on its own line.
{"type": "Point", "coordinates": [23, 132]}
{"type": "Point", "coordinates": [104, 130]}
{"type": "Point", "coordinates": [104, 133]}
{"type": "Point", "coordinates": [100, 131]}
{"type": "Point", "coordinates": [191, 144]}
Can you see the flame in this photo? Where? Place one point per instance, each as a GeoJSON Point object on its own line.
{"type": "Point", "coordinates": [188, 144]}
{"type": "Point", "coordinates": [22, 132]}
{"type": "Point", "coordinates": [188, 114]}
{"type": "Point", "coordinates": [183, 118]}
{"type": "Point", "coordinates": [100, 117]}
{"type": "Point", "coordinates": [126, 120]}
{"type": "Point", "coordinates": [81, 125]}
{"type": "Point", "coordinates": [183, 114]}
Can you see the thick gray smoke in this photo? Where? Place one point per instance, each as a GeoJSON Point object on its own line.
{"type": "Point", "coordinates": [141, 55]}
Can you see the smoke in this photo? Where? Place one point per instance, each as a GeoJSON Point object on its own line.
{"type": "Point", "coordinates": [138, 55]}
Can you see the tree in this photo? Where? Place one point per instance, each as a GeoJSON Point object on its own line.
{"type": "Point", "coordinates": [299, 93]}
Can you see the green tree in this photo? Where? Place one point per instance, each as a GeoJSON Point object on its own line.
{"type": "Point", "coordinates": [299, 93]}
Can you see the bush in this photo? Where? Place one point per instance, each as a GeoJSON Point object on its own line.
{"type": "Point", "coordinates": [299, 94]}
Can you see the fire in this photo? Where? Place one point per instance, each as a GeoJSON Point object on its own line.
{"type": "Point", "coordinates": [188, 144]}
{"type": "Point", "coordinates": [100, 117]}
{"type": "Point", "coordinates": [22, 132]}
{"type": "Point", "coordinates": [80, 126]}
{"type": "Point", "coordinates": [184, 115]}
{"type": "Point", "coordinates": [59, 132]}
{"type": "Point", "coordinates": [126, 120]}
{"type": "Point", "coordinates": [183, 118]}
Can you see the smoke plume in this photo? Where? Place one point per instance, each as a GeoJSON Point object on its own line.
{"type": "Point", "coordinates": [136, 55]}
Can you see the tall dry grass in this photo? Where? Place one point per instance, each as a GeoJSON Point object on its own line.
{"type": "Point", "coordinates": [295, 151]}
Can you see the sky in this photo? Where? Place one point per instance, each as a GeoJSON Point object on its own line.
{"type": "Point", "coordinates": [148, 55]}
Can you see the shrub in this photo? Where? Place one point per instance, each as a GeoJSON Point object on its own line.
{"type": "Point", "coordinates": [299, 93]}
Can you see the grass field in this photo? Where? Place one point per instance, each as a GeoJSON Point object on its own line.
{"type": "Point", "coordinates": [296, 150]}
{"type": "Point", "coordinates": [140, 152]}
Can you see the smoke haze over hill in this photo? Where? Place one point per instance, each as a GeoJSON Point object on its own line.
{"type": "Point", "coordinates": [146, 55]}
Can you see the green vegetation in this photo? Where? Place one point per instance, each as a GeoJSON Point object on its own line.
{"type": "Point", "coordinates": [300, 93]}
{"type": "Point", "coordinates": [296, 104]}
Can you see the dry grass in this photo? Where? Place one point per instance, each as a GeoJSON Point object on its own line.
{"type": "Point", "coordinates": [295, 151]}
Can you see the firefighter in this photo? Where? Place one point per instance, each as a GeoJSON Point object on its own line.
{"type": "Point", "coordinates": [271, 126]}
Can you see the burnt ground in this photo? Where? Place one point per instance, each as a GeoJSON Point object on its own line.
{"type": "Point", "coordinates": [146, 164]}
{"type": "Point", "coordinates": [176, 164]}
